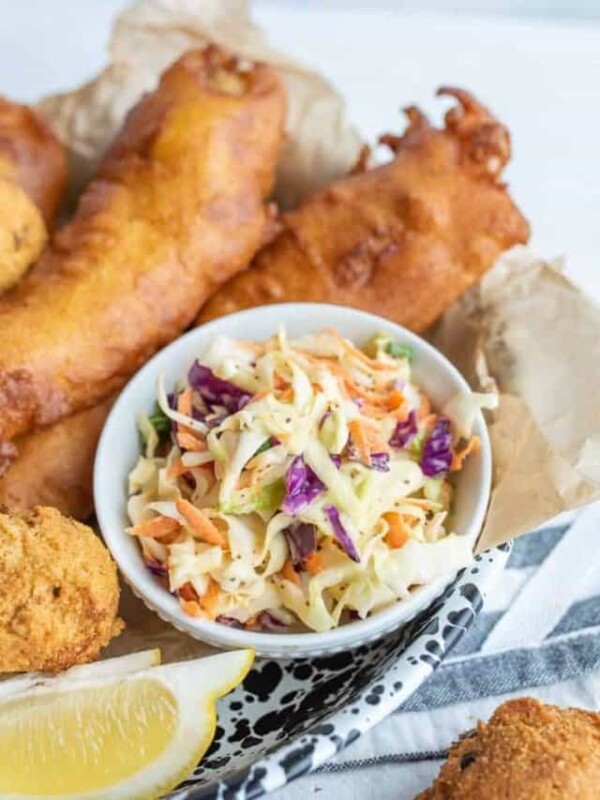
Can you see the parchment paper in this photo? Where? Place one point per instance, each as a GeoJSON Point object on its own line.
{"type": "Point", "coordinates": [526, 327]}
{"type": "Point", "coordinates": [321, 143]}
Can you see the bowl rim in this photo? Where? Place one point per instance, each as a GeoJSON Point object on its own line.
{"type": "Point", "coordinates": [157, 598]}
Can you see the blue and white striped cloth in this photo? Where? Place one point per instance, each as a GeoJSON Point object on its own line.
{"type": "Point", "coordinates": [539, 635]}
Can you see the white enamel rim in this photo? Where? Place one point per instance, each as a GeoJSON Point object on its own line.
{"type": "Point", "coordinates": [118, 450]}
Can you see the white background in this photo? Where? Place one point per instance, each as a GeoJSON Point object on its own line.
{"type": "Point", "coordinates": [541, 77]}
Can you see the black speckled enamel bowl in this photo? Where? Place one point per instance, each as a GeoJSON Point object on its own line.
{"type": "Point", "coordinates": [287, 718]}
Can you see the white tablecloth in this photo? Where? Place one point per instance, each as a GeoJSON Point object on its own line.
{"type": "Point", "coordinates": [538, 635]}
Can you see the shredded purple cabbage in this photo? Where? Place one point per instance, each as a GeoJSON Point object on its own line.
{"type": "Point", "coordinates": [337, 460]}
{"type": "Point", "coordinates": [341, 533]}
{"type": "Point", "coordinates": [213, 420]}
{"type": "Point", "coordinates": [216, 391]}
{"type": "Point", "coordinates": [156, 568]}
{"type": "Point", "coordinates": [269, 620]}
{"type": "Point", "coordinates": [302, 542]}
{"type": "Point", "coordinates": [301, 486]}
{"type": "Point", "coordinates": [437, 450]}
{"type": "Point", "coordinates": [231, 622]}
{"type": "Point", "coordinates": [380, 462]}
{"type": "Point", "coordinates": [405, 431]}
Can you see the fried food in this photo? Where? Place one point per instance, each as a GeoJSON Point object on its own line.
{"type": "Point", "coordinates": [438, 179]}
{"type": "Point", "coordinates": [55, 465]}
{"type": "Point", "coordinates": [178, 207]}
{"type": "Point", "coordinates": [60, 592]}
{"type": "Point", "coordinates": [22, 234]}
{"type": "Point", "coordinates": [31, 157]}
{"type": "Point", "coordinates": [33, 179]}
{"type": "Point", "coordinates": [402, 240]}
{"type": "Point", "coordinates": [527, 751]}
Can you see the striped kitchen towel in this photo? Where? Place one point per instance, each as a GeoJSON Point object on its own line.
{"type": "Point", "coordinates": [539, 635]}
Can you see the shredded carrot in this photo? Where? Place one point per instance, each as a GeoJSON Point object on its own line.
{"type": "Point", "coordinates": [398, 534]}
{"type": "Point", "coordinates": [286, 395]}
{"type": "Point", "coordinates": [360, 440]}
{"type": "Point", "coordinates": [177, 468]}
{"type": "Point", "coordinates": [348, 347]}
{"type": "Point", "coordinates": [184, 402]}
{"type": "Point", "coordinates": [192, 609]}
{"type": "Point", "coordinates": [210, 599]}
{"type": "Point", "coordinates": [186, 437]}
{"type": "Point", "coordinates": [459, 456]}
{"type": "Point", "coordinates": [189, 441]}
{"type": "Point", "coordinates": [289, 573]}
{"type": "Point", "coordinates": [314, 563]}
{"type": "Point", "coordinates": [187, 592]}
{"type": "Point", "coordinates": [394, 400]}
{"type": "Point", "coordinates": [200, 524]}
{"type": "Point", "coordinates": [425, 407]}
{"type": "Point", "coordinates": [281, 382]}
{"type": "Point", "coordinates": [156, 527]}
{"type": "Point", "coordinates": [367, 440]}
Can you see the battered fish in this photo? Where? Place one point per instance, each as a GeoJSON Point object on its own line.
{"type": "Point", "coordinates": [32, 157]}
{"type": "Point", "coordinates": [60, 592]}
{"type": "Point", "coordinates": [33, 179]}
{"type": "Point", "coordinates": [439, 179]}
{"type": "Point", "coordinates": [54, 466]}
{"type": "Point", "coordinates": [22, 233]}
{"type": "Point", "coordinates": [403, 240]}
{"type": "Point", "coordinates": [177, 208]}
{"type": "Point", "coordinates": [527, 751]}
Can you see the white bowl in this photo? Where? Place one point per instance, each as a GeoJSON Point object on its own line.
{"type": "Point", "coordinates": [118, 452]}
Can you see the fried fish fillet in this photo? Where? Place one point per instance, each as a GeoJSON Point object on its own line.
{"type": "Point", "coordinates": [33, 179]}
{"type": "Point", "coordinates": [54, 466]}
{"type": "Point", "coordinates": [22, 233]}
{"type": "Point", "coordinates": [32, 157]}
{"type": "Point", "coordinates": [178, 206]}
{"type": "Point", "coordinates": [527, 751]}
{"type": "Point", "coordinates": [402, 240]}
{"type": "Point", "coordinates": [438, 180]}
{"type": "Point", "coordinates": [60, 592]}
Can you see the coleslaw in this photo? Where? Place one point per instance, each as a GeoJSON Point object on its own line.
{"type": "Point", "coordinates": [299, 484]}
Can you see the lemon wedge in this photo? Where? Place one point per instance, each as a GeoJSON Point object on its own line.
{"type": "Point", "coordinates": [129, 734]}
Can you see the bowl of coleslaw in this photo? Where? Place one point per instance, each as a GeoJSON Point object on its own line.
{"type": "Point", "coordinates": [298, 478]}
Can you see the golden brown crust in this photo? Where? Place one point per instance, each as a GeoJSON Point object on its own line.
{"type": "Point", "coordinates": [32, 157]}
{"type": "Point", "coordinates": [60, 592]}
{"type": "Point", "coordinates": [54, 466]}
{"type": "Point", "coordinates": [33, 179]}
{"type": "Point", "coordinates": [527, 751]}
{"type": "Point", "coordinates": [403, 240]}
{"type": "Point", "coordinates": [22, 233]}
{"type": "Point", "coordinates": [176, 209]}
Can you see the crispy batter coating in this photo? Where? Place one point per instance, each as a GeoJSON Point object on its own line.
{"type": "Point", "coordinates": [32, 157]}
{"type": "Point", "coordinates": [60, 592]}
{"type": "Point", "coordinates": [22, 233]}
{"type": "Point", "coordinates": [527, 751]}
{"type": "Point", "coordinates": [176, 209]}
{"type": "Point", "coordinates": [403, 240]}
{"type": "Point", "coordinates": [33, 179]}
{"type": "Point", "coordinates": [55, 465]}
